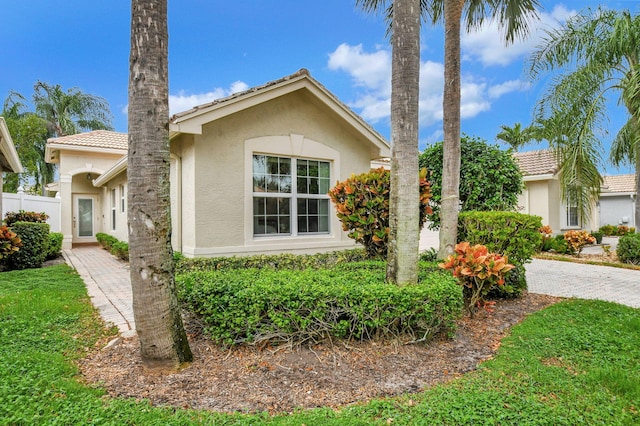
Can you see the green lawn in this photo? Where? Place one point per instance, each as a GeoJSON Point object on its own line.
{"type": "Point", "coordinates": [577, 362]}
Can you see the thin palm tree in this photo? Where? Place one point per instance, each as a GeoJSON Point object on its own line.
{"type": "Point", "coordinates": [163, 340]}
{"type": "Point", "coordinates": [517, 136]}
{"type": "Point", "coordinates": [594, 55]}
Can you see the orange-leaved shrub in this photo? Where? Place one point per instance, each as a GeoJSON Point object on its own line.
{"type": "Point", "coordinates": [362, 205]}
{"type": "Point", "coordinates": [477, 270]}
{"type": "Point", "coordinates": [9, 242]}
{"type": "Point", "coordinates": [576, 240]}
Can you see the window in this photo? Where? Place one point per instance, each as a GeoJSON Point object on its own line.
{"type": "Point", "coordinates": [573, 220]}
{"type": "Point", "coordinates": [290, 196]}
{"type": "Point", "coordinates": [122, 199]}
{"type": "Point", "coordinates": [113, 209]}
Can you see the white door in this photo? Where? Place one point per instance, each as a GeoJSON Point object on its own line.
{"type": "Point", "coordinates": [84, 218]}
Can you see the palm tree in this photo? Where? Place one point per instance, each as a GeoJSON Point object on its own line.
{"type": "Point", "coordinates": [402, 253]}
{"type": "Point", "coordinates": [71, 111]}
{"type": "Point", "coordinates": [163, 340]}
{"type": "Point", "coordinates": [599, 52]}
{"type": "Point", "coordinates": [516, 137]}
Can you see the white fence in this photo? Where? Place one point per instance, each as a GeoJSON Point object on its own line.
{"type": "Point", "coordinates": [33, 203]}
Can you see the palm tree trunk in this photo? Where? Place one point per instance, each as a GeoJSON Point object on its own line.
{"type": "Point", "coordinates": [163, 341]}
{"type": "Point", "coordinates": [404, 214]}
{"type": "Point", "coordinates": [451, 125]}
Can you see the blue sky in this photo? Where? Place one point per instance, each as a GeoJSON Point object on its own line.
{"type": "Point", "coordinates": [219, 47]}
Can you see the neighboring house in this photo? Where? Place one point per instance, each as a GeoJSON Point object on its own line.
{"type": "Point", "coordinates": [542, 195]}
{"type": "Point", "coordinates": [249, 173]}
{"type": "Point", "coordinates": [618, 201]}
{"type": "Point", "coordinates": [9, 161]}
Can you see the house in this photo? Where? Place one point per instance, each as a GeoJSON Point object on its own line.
{"type": "Point", "coordinates": [617, 204]}
{"type": "Point", "coordinates": [249, 173]}
{"type": "Point", "coordinates": [542, 195]}
{"type": "Point", "coordinates": [9, 161]}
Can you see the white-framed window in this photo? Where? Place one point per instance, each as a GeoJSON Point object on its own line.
{"type": "Point", "coordinates": [123, 197]}
{"type": "Point", "coordinates": [572, 214]}
{"type": "Point", "coordinates": [113, 209]}
{"type": "Point", "coordinates": [290, 196]}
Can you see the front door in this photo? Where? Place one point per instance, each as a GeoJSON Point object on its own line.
{"type": "Point", "coordinates": [84, 218]}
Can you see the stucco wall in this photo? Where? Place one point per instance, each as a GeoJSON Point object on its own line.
{"type": "Point", "coordinates": [214, 201]}
{"type": "Point", "coordinates": [120, 232]}
{"type": "Point", "coordinates": [614, 208]}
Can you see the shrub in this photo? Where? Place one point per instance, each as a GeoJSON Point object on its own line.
{"type": "Point", "coordinates": [622, 230]}
{"type": "Point", "coordinates": [10, 243]}
{"type": "Point", "coordinates": [559, 245]}
{"type": "Point", "coordinates": [478, 271]}
{"type": "Point", "coordinates": [350, 301]}
{"type": "Point", "coordinates": [35, 238]}
{"type": "Point", "coordinates": [490, 179]}
{"type": "Point", "coordinates": [629, 249]}
{"type": "Point", "coordinates": [362, 205]}
{"type": "Point", "coordinates": [547, 235]}
{"type": "Point", "coordinates": [276, 261]}
{"type": "Point", "coordinates": [22, 216]}
{"type": "Point", "coordinates": [576, 240]}
{"type": "Point", "coordinates": [512, 234]}
{"type": "Point", "coordinates": [54, 245]}
{"type": "Point", "coordinates": [598, 236]}
{"type": "Point", "coordinates": [608, 230]}
{"type": "Point", "coordinates": [114, 246]}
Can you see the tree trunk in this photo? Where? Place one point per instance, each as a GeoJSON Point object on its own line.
{"type": "Point", "coordinates": [404, 213]}
{"type": "Point", "coordinates": [163, 341]}
{"type": "Point", "coordinates": [449, 206]}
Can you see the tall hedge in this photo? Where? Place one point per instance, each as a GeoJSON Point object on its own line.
{"type": "Point", "coordinates": [490, 179]}
{"type": "Point", "coordinates": [35, 243]}
{"type": "Point", "coordinates": [513, 234]}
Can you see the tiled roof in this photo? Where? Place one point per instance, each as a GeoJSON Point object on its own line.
{"type": "Point", "coordinates": [542, 162]}
{"type": "Point", "coordinates": [95, 138]}
{"type": "Point", "coordinates": [302, 71]}
{"type": "Point", "coordinates": [619, 183]}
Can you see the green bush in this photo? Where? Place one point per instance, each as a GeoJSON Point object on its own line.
{"type": "Point", "coordinates": [22, 216]}
{"type": "Point", "coordinates": [35, 239]}
{"type": "Point", "coordinates": [275, 261]}
{"type": "Point", "coordinates": [114, 246]}
{"type": "Point", "coordinates": [598, 236]}
{"type": "Point", "coordinates": [511, 234]}
{"type": "Point", "coordinates": [560, 245]}
{"type": "Point", "coordinates": [348, 301]}
{"type": "Point", "coordinates": [362, 205]}
{"type": "Point", "coordinates": [489, 177]}
{"type": "Point", "coordinates": [608, 230]}
{"type": "Point", "coordinates": [54, 245]}
{"type": "Point", "coordinates": [629, 249]}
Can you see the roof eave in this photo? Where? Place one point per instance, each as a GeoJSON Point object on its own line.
{"type": "Point", "coordinates": [119, 167]}
{"type": "Point", "coordinates": [8, 150]}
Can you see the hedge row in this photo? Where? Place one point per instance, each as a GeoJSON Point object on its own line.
{"type": "Point", "coordinates": [349, 301]}
{"type": "Point", "coordinates": [113, 245]}
{"type": "Point", "coordinates": [35, 245]}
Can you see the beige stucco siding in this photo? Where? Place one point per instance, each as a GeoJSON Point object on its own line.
{"type": "Point", "coordinates": [217, 195]}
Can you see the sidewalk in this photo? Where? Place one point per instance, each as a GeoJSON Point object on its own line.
{"type": "Point", "coordinates": [108, 284]}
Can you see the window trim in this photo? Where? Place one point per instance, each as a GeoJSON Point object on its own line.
{"type": "Point", "coordinates": [123, 198]}
{"type": "Point", "coordinates": [113, 197]}
{"type": "Point", "coordinates": [294, 196]}
{"type": "Point", "coordinates": [293, 146]}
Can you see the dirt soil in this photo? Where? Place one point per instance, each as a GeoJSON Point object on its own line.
{"type": "Point", "coordinates": [332, 374]}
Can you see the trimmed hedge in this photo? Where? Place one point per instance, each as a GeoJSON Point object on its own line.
{"type": "Point", "coordinates": [54, 245]}
{"type": "Point", "coordinates": [113, 245]}
{"type": "Point", "coordinates": [35, 240]}
{"type": "Point", "coordinates": [275, 261]}
{"type": "Point", "coordinates": [349, 301]}
{"type": "Point", "coordinates": [628, 249]}
{"type": "Point", "coordinates": [513, 234]}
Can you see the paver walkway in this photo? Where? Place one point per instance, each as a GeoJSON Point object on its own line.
{"type": "Point", "coordinates": [109, 286]}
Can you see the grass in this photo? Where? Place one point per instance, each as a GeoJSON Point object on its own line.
{"type": "Point", "coordinates": [576, 362]}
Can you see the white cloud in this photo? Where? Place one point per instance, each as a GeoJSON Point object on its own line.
{"type": "Point", "coordinates": [374, 98]}
{"type": "Point", "coordinates": [183, 101]}
{"type": "Point", "coordinates": [487, 43]}
{"type": "Point", "coordinates": [498, 90]}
